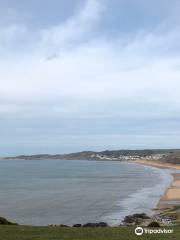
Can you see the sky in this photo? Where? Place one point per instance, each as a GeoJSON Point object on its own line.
{"type": "Point", "coordinates": [89, 75]}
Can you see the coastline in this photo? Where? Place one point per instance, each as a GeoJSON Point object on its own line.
{"type": "Point", "coordinates": [171, 197]}
{"type": "Point", "coordinates": [110, 214]}
{"type": "Point", "coordinates": [167, 193]}
{"type": "Point", "coordinates": [141, 200]}
{"type": "Point", "coordinates": [157, 164]}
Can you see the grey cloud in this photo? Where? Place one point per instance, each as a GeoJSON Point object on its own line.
{"type": "Point", "coordinates": [100, 89]}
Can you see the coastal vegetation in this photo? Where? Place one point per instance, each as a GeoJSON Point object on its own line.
{"type": "Point", "coordinates": [90, 231]}
{"type": "Point", "coordinates": [64, 233]}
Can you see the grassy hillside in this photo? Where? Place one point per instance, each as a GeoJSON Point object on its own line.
{"type": "Point", "coordinates": [173, 158]}
{"type": "Point", "coordinates": [91, 155]}
{"type": "Point", "coordinates": [59, 233]}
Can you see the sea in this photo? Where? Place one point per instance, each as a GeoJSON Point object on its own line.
{"type": "Point", "coordinates": [44, 192]}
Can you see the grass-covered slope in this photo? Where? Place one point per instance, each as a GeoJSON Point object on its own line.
{"type": "Point", "coordinates": [173, 158]}
{"type": "Point", "coordinates": [59, 233]}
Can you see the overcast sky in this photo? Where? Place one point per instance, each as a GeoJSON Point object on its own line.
{"type": "Point", "coordinates": [89, 75]}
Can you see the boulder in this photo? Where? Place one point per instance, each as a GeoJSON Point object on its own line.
{"type": "Point", "coordinates": [89, 225]}
{"type": "Point", "coordinates": [136, 218]}
{"type": "Point", "coordinates": [100, 224]}
{"type": "Point", "coordinates": [77, 225]}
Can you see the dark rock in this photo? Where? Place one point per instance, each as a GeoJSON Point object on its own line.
{"type": "Point", "coordinates": [100, 224]}
{"type": "Point", "coordinates": [129, 219]}
{"type": "Point", "coordinates": [141, 215]}
{"type": "Point", "coordinates": [4, 221]}
{"type": "Point", "coordinates": [89, 225]}
{"type": "Point", "coordinates": [135, 218]}
{"type": "Point", "coordinates": [77, 225]}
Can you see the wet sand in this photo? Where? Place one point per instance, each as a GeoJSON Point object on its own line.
{"type": "Point", "coordinates": [157, 164]}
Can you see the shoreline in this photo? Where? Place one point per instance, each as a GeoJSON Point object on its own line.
{"type": "Point", "coordinates": [171, 197]}
{"type": "Point", "coordinates": [168, 199]}
{"type": "Point", "coordinates": [157, 164]}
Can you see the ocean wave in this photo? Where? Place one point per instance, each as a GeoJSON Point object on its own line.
{"type": "Point", "coordinates": [143, 200]}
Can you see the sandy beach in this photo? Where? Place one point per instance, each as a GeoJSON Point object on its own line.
{"type": "Point", "coordinates": [171, 197]}
{"type": "Point", "coordinates": [157, 164]}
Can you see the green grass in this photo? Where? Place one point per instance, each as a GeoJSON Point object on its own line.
{"type": "Point", "coordinates": [59, 233]}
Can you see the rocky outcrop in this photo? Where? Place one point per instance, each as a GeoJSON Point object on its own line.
{"type": "Point", "coordinates": [136, 218]}
{"type": "Point", "coordinates": [100, 224]}
{"type": "Point", "coordinates": [4, 221]}
{"type": "Point", "coordinates": [78, 225]}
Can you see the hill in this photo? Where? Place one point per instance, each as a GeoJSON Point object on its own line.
{"type": "Point", "coordinates": [104, 155]}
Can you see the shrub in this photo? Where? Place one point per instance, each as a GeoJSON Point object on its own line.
{"type": "Point", "coordinates": [154, 224]}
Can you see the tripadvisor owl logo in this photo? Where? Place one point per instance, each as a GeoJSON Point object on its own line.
{"type": "Point", "coordinates": [139, 231]}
